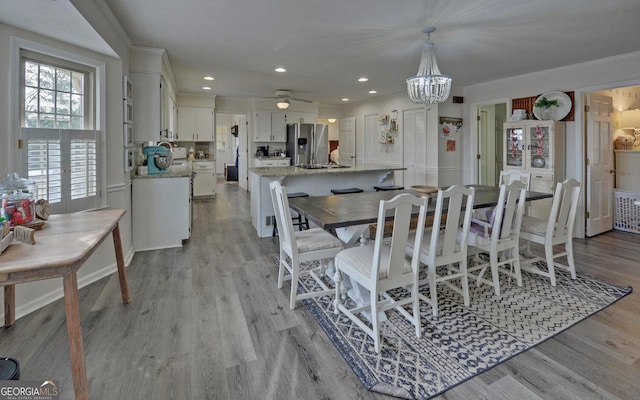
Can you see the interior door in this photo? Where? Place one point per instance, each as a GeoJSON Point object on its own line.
{"type": "Point", "coordinates": [600, 173]}
{"type": "Point", "coordinates": [414, 147]}
{"type": "Point", "coordinates": [347, 141]}
{"type": "Point", "coordinates": [490, 119]}
{"type": "Point", "coordinates": [243, 151]}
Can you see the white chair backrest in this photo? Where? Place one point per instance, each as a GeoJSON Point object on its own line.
{"type": "Point", "coordinates": [508, 218]}
{"type": "Point", "coordinates": [458, 214]}
{"type": "Point", "coordinates": [563, 210]}
{"type": "Point", "coordinates": [401, 206]}
{"type": "Point", "coordinates": [283, 217]}
{"type": "Point", "coordinates": [508, 176]}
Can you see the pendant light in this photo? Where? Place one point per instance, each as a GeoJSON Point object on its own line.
{"type": "Point", "coordinates": [429, 86]}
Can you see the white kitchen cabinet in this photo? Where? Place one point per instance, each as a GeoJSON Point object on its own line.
{"type": "Point", "coordinates": [262, 126]}
{"type": "Point", "coordinates": [196, 123]}
{"type": "Point", "coordinates": [308, 118]}
{"type": "Point", "coordinates": [536, 147]}
{"type": "Point", "coordinates": [204, 182]}
{"type": "Point", "coordinates": [170, 131]}
{"type": "Point", "coordinates": [147, 106]}
{"type": "Point", "coordinates": [278, 127]}
{"type": "Point", "coordinates": [161, 210]}
{"type": "Point", "coordinates": [292, 117]}
{"type": "Point", "coordinates": [273, 162]}
{"type": "Point", "coordinates": [295, 117]}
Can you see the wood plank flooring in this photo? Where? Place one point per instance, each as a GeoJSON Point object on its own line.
{"type": "Point", "coordinates": [207, 321]}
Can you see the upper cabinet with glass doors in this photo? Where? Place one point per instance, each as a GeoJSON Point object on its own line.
{"type": "Point", "coordinates": [535, 146]}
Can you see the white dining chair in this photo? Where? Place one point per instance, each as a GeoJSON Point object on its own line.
{"type": "Point", "coordinates": [499, 237]}
{"type": "Point", "coordinates": [554, 231]}
{"type": "Point", "coordinates": [301, 248]}
{"type": "Point", "coordinates": [510, 175]}
{"type": "Point", "coordinates": [506, 177]}
{"type": "Point", "coordinates": [444, 248]}
{"type": "Point", "coordinates": [383, 266]}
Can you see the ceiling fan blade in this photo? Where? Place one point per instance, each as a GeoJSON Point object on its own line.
{"type": "Point", "coordinates": [300, 100]}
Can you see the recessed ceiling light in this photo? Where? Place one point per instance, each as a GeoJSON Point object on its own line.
{"type": "Point", "coordinates": [345, 99]}
{"type": "Point", "coordinates": [363, 79]}
{"type": "Point", "coordinates": [373, 91]}
{"type": "Point", "coordinates": [281, 69]}
{"type": "Point", "coordinates": [208, 78]}
{"type": "Point", "coordinates": [206, 88]}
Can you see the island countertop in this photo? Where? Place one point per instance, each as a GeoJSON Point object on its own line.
{"type": "Point", "coordinates": [313, 182]}
{"type": "Point", "coordinates": [297, 171]}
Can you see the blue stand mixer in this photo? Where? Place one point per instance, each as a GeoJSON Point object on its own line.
{"type": "Point", "coordinates": [159, 159]}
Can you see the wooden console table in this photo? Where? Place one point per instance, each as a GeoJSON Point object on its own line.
{"type": "Point", "coordinates": [62, 246]}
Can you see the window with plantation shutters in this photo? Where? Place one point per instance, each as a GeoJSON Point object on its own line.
{"type": "Point", "coordinates": [62, 148]}
{"type": "Point", "coordinates": [63, 163]}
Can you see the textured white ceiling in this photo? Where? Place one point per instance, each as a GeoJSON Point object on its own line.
{"type": "Point", "coordinates": [326, 45]}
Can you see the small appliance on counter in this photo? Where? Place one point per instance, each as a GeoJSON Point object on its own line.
{"type": "Point", "coordinates": [159, 159]}
{"type": "Point", "coordinates": [262, 151]}
{"type": "Point", "coordinates": [202, 151]}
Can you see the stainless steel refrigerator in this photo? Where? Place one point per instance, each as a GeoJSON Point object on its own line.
{"type": "Point", "coordinates": [308, 143]}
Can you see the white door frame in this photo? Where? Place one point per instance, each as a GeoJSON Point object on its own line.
{"type": "Point", "coordinates": [600, 181]}
{"type": "Point", "coordinates": [579, 168]}
{"type": "Point", "coordinates": [243, 148]}
{"type": "Point", "coordinates": [474, 133]}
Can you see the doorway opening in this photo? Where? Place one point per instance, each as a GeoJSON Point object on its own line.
{"type": "Point", "coordinates": [608, 169]}
{"type": "Point", "coordinates": [231, 145]}
{"type": "Point", "coordinates": [490, 157]}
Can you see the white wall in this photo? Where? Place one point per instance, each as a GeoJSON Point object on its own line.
{"type": "Point", "coordinates": [443, 168]}
{"type": "Point", "coordinates": [34, 295]}
{"type": "Point", "coordinates": [581, 78]}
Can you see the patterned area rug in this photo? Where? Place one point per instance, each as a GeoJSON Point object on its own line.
{"type": "Point", "coordinates": [462, 341]}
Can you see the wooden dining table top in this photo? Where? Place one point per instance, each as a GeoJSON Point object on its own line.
{"type": "Point", "coordinates": [339, 211]}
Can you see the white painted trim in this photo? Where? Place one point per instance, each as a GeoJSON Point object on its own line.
{"type": "Point", "coordinates": [18, 43]}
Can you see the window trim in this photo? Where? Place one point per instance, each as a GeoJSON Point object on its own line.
{"type": "Point", "coordinates": [100, 94]}
{"type": "Point", "coordinates": [89, 86]}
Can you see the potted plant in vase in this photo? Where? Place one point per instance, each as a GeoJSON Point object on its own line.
{"type": "Point", "coordinates": [545, 104]}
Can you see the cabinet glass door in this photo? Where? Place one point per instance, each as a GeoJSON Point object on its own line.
{"type": "Point", "coordinates": [539, 147]}
{"type": "Point", "coordinates": [515, 145]}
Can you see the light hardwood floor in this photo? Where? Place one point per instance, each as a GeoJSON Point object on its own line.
{"type": "Point", "coordinates": [206, 321]}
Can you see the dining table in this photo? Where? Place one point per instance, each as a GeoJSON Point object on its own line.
{"type": "Point", "coordinates": [62, 246]}
{"type": "Point", "coordinates": [348, 216]}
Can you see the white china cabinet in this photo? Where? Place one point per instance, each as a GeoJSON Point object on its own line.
{"type": "Point", "coordinates": [537, 147]}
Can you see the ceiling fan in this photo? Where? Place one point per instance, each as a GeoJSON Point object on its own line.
{"type": "Point", "coordinates": [284, 99]}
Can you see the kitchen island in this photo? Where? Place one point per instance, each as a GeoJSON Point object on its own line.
{"type": "Point", "coordinates": [314, 182]}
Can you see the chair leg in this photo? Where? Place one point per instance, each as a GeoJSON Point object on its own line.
{"type": "Point", "coordinates": [493, 259]}
{"type": "Point", "coordinates": [295, 272]}
{"type": "Point", "coordinates": [465, 282]}
{"type": "Point", "coordinates": [373, 298]}
{"type": "Point", "coordinates": [548, 251]}
{"type": "Point", "coordinates": [568, 247]}
{"type": "Point", "coordinates": [416, 307]}
{"type": "Point", "coordinates": [337, 278]}
{"type": "Point", "coordinates": [516, 265]}
{"type": "Point", "coordinates": [432, 289]}
{"type": "Point", "coordinates": [281, 269]}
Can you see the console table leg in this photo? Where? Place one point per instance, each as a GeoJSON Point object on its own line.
{"type": "Point", "coordinates": [9, 305]}
{"type": "Point", "coordinates": [122, 275]}
{"type": "Point", "coordinates": [74, 333]}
